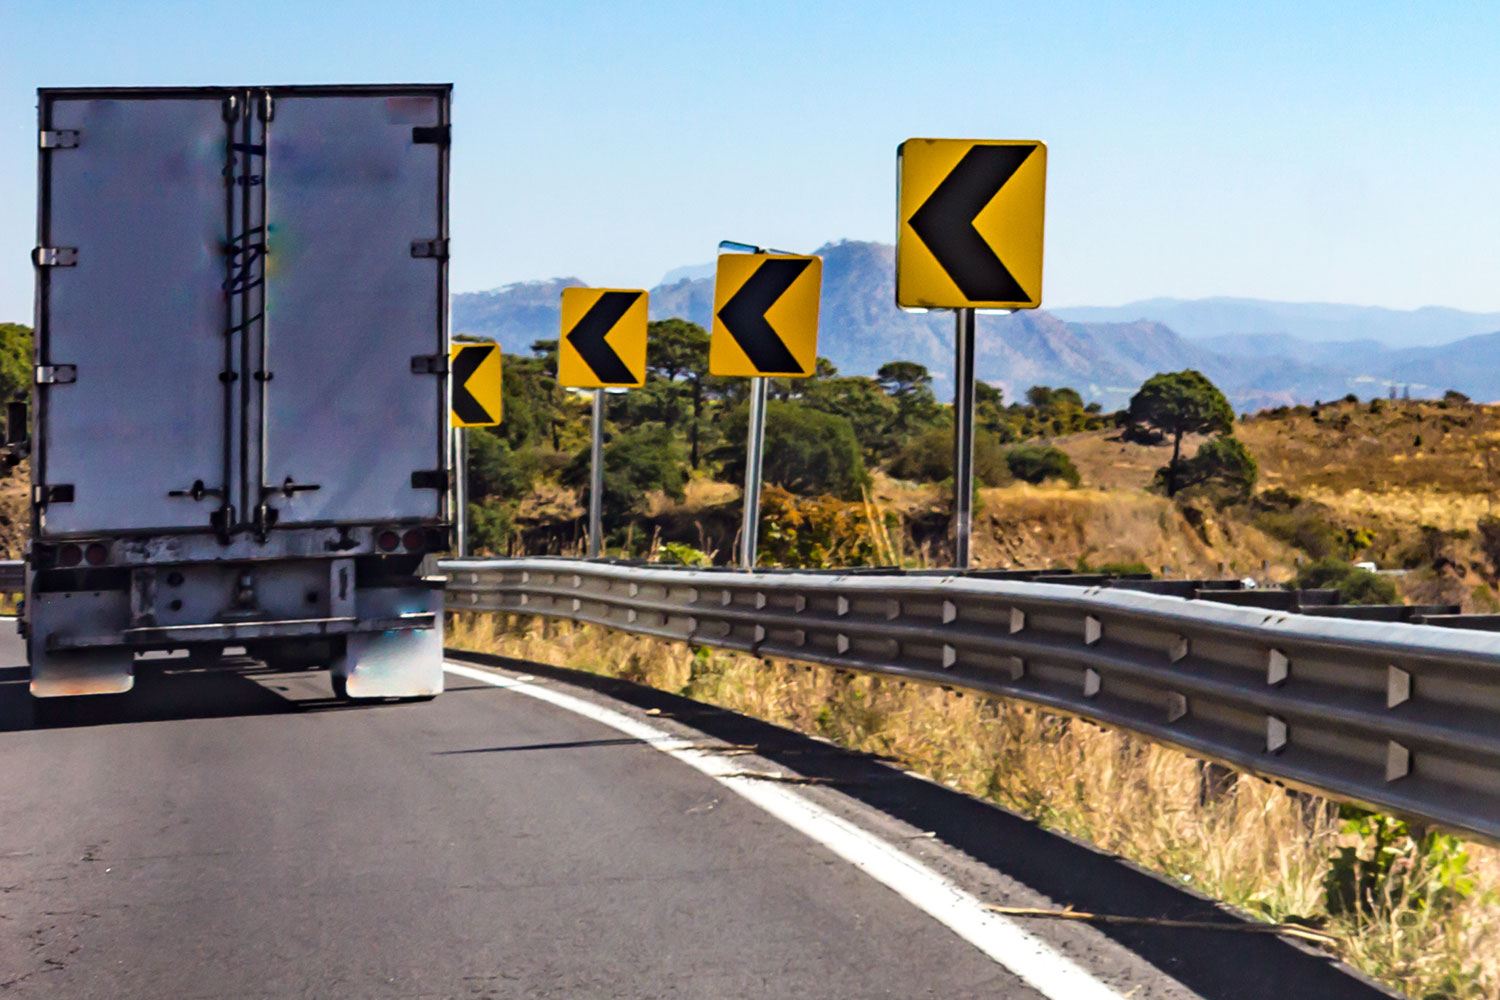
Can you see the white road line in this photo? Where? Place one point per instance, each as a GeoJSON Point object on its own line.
{"type": "Point", "coordinates": [1041, 966]}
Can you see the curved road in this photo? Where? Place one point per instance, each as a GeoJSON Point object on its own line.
{"type": "Point", "coordinates": [234, 832]}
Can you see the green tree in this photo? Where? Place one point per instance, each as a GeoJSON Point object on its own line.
{"type": "Point", "coordinates": [677, 349]}
{"type": "Point", "coordinates": [909, 384]}
{"type": "Point", "coordinates": [1034, 463]}
{"type": "Point", "coordinates": [806, 451]}
{"type": "Point", "coordinates": [635, 463]}
{"type": "Point", "coordinates": [496, 469]}
{"type": "Point", "coordinates": [1223, 464]}
{"type": "Point", "coordinates": [862, 402]}
{"type": "Point", "coordinates": [1178, 403]}
{"type": "Point", "coordinates": [15, 361]}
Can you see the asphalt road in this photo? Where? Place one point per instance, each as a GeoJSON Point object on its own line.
{"type": "Point", "coordinates": [237, 833]}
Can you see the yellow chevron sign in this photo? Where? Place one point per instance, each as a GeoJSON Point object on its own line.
{"type": "Point", "coordinates": [971, 216]}
{"type": "Point", "coordinates": [476, 384]}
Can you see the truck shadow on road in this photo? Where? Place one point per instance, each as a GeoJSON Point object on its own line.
{"type": "Point", "coordinates": [1224, 966]}
{"type": "Point", "coordinates": [166, 690]}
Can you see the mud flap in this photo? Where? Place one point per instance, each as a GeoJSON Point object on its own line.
{"type": "Point", "coordinates": [75, 672]}
{"type": "Point", "coordinates": [399, 664]}
{"type": "Point", "coordinates": [63, 673]}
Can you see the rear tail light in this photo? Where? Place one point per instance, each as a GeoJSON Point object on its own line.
{"type": "Point", "coordinates": [415, 540]}
{"type": "Point", "coordinates": [96, 554]}
{"type": "Point", "coordinates": [69, 555]}
{"type": "Point", "coordinates": [388, 540]}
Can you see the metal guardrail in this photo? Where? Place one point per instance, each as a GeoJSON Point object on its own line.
{"type": "Point", "coordinates": [1400, 717]}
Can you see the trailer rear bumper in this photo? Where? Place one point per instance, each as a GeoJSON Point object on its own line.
{"type": "Point", "coordinates": [166, 636]}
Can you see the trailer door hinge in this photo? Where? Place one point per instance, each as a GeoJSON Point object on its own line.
{"type": "Point", "coordinates": [54, 256]}
{"type": "Point", "coordinates": [55, 493]}
{"type": "Point", "coordinates": [429, 479]}
{"type": "Point", "coordinates": [431, 135]}
{"type": "Point", "coordinates": [429, 364]}
{"type": "Point", "coordinates": [437, 248]}
{"type": "Point", "coordinates": [62, 138]}
{"type": "Point", "coordinates": [56, 374]}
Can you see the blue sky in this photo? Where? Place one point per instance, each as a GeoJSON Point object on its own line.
{"type": "Point", "coordinates": [1303, 151]}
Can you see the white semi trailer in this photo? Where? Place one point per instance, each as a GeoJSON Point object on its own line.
{"type": "Point", "coordinates": [241, 404]}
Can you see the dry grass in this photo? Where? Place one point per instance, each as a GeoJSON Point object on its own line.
{"type": "Point", "coordinates": [1029, 526]}
{"type": "Point", "coordinates": [1415, 445]}
{"type": "Point", "coordinates": [1254, 846]}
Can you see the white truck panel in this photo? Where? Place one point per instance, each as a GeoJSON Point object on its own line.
{"type": "Point", "coordinates": [349, 306]}
{"type": "Point", "coordinates": [140, 314]}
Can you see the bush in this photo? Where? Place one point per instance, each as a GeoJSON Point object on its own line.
{"type": "Point", "coordinates": [928, 458]}
{"type": "Point", "coordinates": [491, 528]}
{"type": "Point", "coordinates": [635, 463]}
{"type": "Point", "coordinates": [807, 451]}
{"type": "Point", "coordinates": [1034, 463]}
{"type": "Point", "coordinates": [1355, 586]}
{"type": "Point", "coordinates": [819, 532]}
{"type": "Point", "coordinates": [497, 470]}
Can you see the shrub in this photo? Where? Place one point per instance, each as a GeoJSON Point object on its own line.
{"type": "Point", "coordinates": [928, 458]}
{"type": "Point", "coordinates": [496, 469]}
{"type": "Point", "coordinates": [819, 532]}
{"type": "Point", "coordinates": [635, 463]}
{"type": "Point", "coordinates": [683, 554]}
{"type": "Point", "coordinates": [1034, 463]}
{"type": "Point", "coordinates": [1304, 525]}
{"type": "Point", "coordinates": [491, 528]}
{"type": "Point", "coordinates": [1355, 586]}
{"type": "Point", "coordinates": [807, 451]}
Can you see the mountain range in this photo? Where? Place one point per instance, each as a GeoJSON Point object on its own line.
{"type": "Point", "coordinates": [1260, 353]}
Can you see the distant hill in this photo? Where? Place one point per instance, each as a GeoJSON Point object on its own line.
{"type": "Point", "coordinates": [1105, 353]}
{"type": "Point", "coordinates": [1315, 321]}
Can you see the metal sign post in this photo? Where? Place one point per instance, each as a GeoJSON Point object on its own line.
{"type": "Point", "coordinates": [969, 236]}
{"type": "Point", "coordinates": [744, 342]}
{"type": "Point", "coordinates": [963, 436]}
{"type": "Point", "coordinates": [461, 491]}
{"type": "Point", "coordinates": [596, 478]}
{"type": "Point", "coordinates": [754, 449]}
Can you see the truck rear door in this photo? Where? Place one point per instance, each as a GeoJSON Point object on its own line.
{"type": "Point", "coordinates": [357, 290]}
{"type": "Point", "coordinates": [130, 311]}
{"type": "Point", "coordinates": [242, 308]}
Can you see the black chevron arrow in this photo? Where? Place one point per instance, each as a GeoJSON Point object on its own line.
{"type": "Point", "coordinates": [470, 357]}
{"type": "Point", "coordinates": [744, 315]}
{"type": "Point", "coordinates": [587, 336]}
{"type": "Point", "coordinates": [945, 222]}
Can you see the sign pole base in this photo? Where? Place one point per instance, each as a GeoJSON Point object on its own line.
{"type": "Point", "coordinates": [963, 436]}
{"type": "Point", "coordinates": [596, 478]}
{"type": "Point", "coordinates": [754, 450]}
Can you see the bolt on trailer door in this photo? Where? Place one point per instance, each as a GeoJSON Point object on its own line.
{"type": "Point", "coordinates": [354, 340]}
{"type": "Point", "coordinates": [131, 322]}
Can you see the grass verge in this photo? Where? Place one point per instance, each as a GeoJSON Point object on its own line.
{"type": "Point", "coordinates": [1410, 908]}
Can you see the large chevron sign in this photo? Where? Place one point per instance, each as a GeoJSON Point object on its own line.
{"type": "Point", "coordinates": [970, 224]}
{"type": "Point", "coordinates": [603, 338]}
{"type": "Point", "coordinates": [765, 315]}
